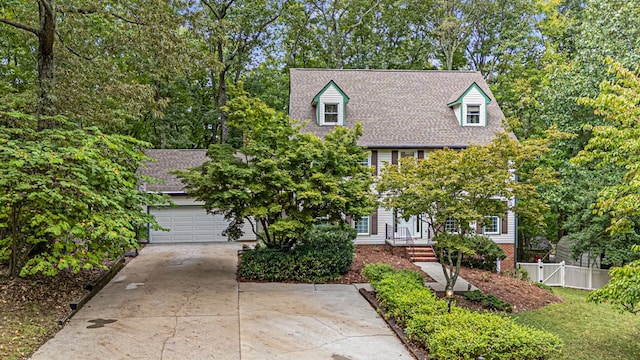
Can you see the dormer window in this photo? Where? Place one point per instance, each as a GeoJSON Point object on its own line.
{"type": "Point", "coordinates": [473, 114]}
{"type": "Point", "coordinates": [331, 113]}
{"type": "Point", "coordinates": [470, 106]}
{"type": "Point", "coordinates": [331, 105]}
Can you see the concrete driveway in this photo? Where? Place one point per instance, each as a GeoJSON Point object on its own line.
{"type": "Point", "coordinates": [183, 302]}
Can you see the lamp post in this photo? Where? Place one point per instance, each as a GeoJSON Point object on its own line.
{"type": "Point", "coordinates": [449, 294]}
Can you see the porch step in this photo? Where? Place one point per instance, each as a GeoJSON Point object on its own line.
{"type": "Point", "coordinates": [421, 254]}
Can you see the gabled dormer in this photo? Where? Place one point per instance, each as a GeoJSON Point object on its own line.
{"type": "Point", "coordinates": [470, 107]}
{"type": "Point", "coordinates": [331, 105]}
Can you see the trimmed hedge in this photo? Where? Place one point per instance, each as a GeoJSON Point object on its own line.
{"type": "Point", "coordinates": [461, 334]}
{"type": "Point", "coordinates": [325, 253]}
{"type": "Point", "coordinates": [469, 335]}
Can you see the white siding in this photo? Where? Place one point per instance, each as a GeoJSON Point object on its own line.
{"type": "Point", "coordinates": [474, 97]}
{"type": "Point", "coordinates": [331, 96]}
{"type": "Point", "coordinates": [509, 237]}
{"type": "Point", "coordinates": [384, 217]}
{"type": "Point", "coordinates": [383, 156]}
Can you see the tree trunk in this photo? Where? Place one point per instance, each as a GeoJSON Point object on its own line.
{"type": "Point", "coordinates": [222, 96]}
{"type": "Point", "coordinates": [46, 77]}
{"type": "Point", "coordinates": [15, 249]}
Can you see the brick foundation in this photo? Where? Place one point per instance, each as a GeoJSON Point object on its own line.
{"type": "Point", "coordinates": [507, 264]}
{"type": "Point", "coordinates": [396, 250]}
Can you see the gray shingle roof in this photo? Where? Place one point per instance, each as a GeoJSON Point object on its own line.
{"type": "Point", "coordinates": [168, 160]}
{"type": "Point", "coordinates": [397, 108]}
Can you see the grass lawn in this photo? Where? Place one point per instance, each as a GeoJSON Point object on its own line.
{"type": "Point", "coordinates": [22, 331]}
{"type": "Point", "coordinates": [589, 331]}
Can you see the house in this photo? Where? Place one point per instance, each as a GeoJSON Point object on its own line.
{"type": "Point", "coordinates": [404, 113]}
{"type": "Point", "coordinates": [187, 221]}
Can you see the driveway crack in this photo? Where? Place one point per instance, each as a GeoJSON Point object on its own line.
{"type": "Point", "coordinates": [175, 324]}
{"type": "Point", "coordinates": [164, 344]}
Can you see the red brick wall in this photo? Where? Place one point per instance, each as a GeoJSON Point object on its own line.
{"type": "Point", "coordinates": [507, 264]}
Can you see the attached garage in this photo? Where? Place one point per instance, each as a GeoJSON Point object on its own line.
{"type": "Point", "coordinates": [187, 221]}
{"type": "Point", "coordinates": [187, 224]}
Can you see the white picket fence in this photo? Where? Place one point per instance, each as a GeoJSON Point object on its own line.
{"type": "Point", "coordinates": [559, 274]}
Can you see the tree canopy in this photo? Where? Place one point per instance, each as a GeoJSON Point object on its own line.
{"type": "Point", "coordinates": [281, 180]}
{"type": "Point", "coordinates": [464, 188]}
{"type": "Point", "coordinates": [69, 196]}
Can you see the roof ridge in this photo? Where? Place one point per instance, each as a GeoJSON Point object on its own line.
{"type": "Point", "coordinates": [390, 70]}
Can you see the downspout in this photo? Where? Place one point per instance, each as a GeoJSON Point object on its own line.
{"type": "Point", "coordinates": [515, 237]}
{"type": "Point", "coordinates": [148, 226]}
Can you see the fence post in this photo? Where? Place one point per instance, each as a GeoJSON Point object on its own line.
{"type": "Point", "coordinates": [540, 271]}
{"type": "Point", "coordinates": [562, 274]}
{"type": "Point", "coordinates": [590, 281]}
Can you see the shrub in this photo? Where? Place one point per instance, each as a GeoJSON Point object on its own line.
{"type": "Point", "coordinates": [265, 264]}
{"type": "Point", "coordinates": [375, 272]}
{"type": "Point", "coordinates": [334, 244]}
{"type": "Point", "coordinates": [402, 293]}
{"type": "Point", "coordinates": [488, 301]}
{"type": "Point", "coordinates": [543, 286]}
{"type": "Point", "coordinates": [468, 335]}
{"type": "Point", "coordinates": [486, 251]}
{"type": "Point", "coordinates": [521, 273]}
{"type": "Point", "coordinates": [460, 334]}
{"type": "Point", "coordinates": [475, 295]}
{"type": "Point", "coordinates": [324, 254]}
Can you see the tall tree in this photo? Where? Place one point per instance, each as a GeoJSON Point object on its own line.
{"type": "Point", "coordinates": [80, 44]}
{"type": "Point", "coordinates": [44, 28]}
{"type": "Point", "coordinates": [382, 34]}
{"type": "Point", "coordinates": [235, 31]}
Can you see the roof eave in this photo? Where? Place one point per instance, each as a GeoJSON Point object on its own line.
{"type": "Point", "coordinates": [413, 146]}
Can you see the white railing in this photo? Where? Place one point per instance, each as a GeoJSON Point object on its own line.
{"type": "Point", "coordinates": [560, 274]}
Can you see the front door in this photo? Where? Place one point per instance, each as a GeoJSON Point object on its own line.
{"type": "Point", "coordinates": [405, 228]}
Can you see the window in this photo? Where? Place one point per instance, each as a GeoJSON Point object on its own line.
{"type": "Point", "coordinates": [407, 154]}
{"type": "Point", "coordinates": [365, 161]}
{"type": "Point", "coordinates": [331, 113]}
{"type": "Point", "coordinates": [473, 114]}
{"type": "Point", "coordinates": [493, 226]}
{"type": "Point", "coordinates": [362, 225]}
{"type": "Point", "coordinates": [450, 226]}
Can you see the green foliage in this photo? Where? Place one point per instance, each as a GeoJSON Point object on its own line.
{"type": "Point", "coordinates": [486, 253]}
{"type": "Point", "coordinates": [324, 253]}
{"type": "Point", "coordinates": [587, 229]}
{"type": "Point", "coordinates": [469, 335]}
{"type": "Point", "coordinates": [461, 334]}
{"type": "Point", "coordinates": [375, 272]}
{"type": "Point", "coordinates": [465, 186]}
{"type": "Point", "coordinates": [333, 243]}
{"type": "Point", "coordinates": [623, 289]}
{"type": "Point", "coordinates": [107, 58]}
{"type": "Point", "coordinates": [543, 286]}
{"type": "Point", "coordinates": [615, 143]}
{"type": "Point", "coordinates": [402, 293]}
{"type": "Point", "coordinates": [489, 301]}
{"type": "Point", "coordinates": [69, 197]}
{"type": "Point", "coordinates": [521, 273]}
{"type": "Point", "coordinates": [281, 178]}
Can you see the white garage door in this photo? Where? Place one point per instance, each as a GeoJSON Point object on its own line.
{"type": "Point", "coordinates": [187, 224]}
